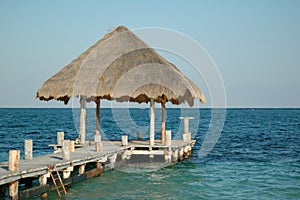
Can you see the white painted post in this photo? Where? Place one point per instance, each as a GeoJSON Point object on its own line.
{"type": "Point", "coordinates": [189, 150]}
{"type": "Point", "coordinates": [81, 169]}
{"type": "Point", "coordinates": [43, 182]}
{"type": "Point", "coordinates": [189, 136]}
{"type": "Point", "coordinates": [124, 140]}
{"type": "Point", "coordinates": [98, 143]}
{"type": "Point", "coordinates": [175, 155]}
{"type": "Point", "coordinates": [152, 121]}
{"type": "Point", "coordinates": [72, 146]}
{"type": "Point", "coordinates": [60, 138]}
{"type": "Point", "coordinates": [168, 156]}
{"type": "Point", "coordinates": [67, 172]}
{"type": "Point", "coordinates": [181, 153]}
{"type": "Point", "coordinates": [186, 136]}
{"type": "Point", "coordinates": [186, 124]}
{"type": "Point", "coordinates": [13, 165]}
{"type": "Point", "coordinates": [28, 149]}
{"type": "Point", "coordinates": [66, 150]}
{"type": "Point", "coordinates": [113, 160]}
{"type": "Point", "coordinates": [82, 119]}
{"type": "Point", "coordinates": [168, 140]}
{"type": "Point", "coordinates": [186, 151]}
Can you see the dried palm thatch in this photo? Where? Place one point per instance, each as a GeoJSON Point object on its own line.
{"type": "Point", "coordinates": [121, 67]}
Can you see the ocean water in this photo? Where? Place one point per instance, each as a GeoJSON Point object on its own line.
{"type": "Point", "coordinates": [256, 157]}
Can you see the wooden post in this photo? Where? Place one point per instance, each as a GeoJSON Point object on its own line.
{"type": "Point", "coordinates": [163, 122]}
{"type": "Point", "coordinates": [81, 169]}
{"type": "Point", "coordinates": [186, 136]}
{"type": "Point", "coordinates": [43, 182]}
{"type": "Point", "coordinates": [181, 153]}
{"type": "Point", "coordinates": [66, 150]}
{"type": "Point", "coordinates": [13, 165]}
{"type": "Point", "coordinates": [60, 138]}
{"type": "Point", "coordinates": [72, 146]}
{"type": "Point", "coordinates": [124, 140]}
{"type": "Point", "coordinates": [67, 172]}
{"type": "Point", "coordinates": [113, 160]}
{"type": "Point", "coordinates": [97, 136]}
{"type": "Point", "coordinates": [152, 121]}
{"type": "Point", "coordinates": [97, 116]}
{"type": "Point", "coordinates": [185, 151]}
{"type": "Point", "coordinates": [168, 141]}
{"type": "Point", "coordinates": [168, 155]}
{"type": "Point", "coordinates": [28, 149]}
{"type": "Point", "coordinates": [82, 119]}
{"type": "Point", "coordinates": [98, 146]}
{"type": "Point", "coordinates": [186, 124]}
{"type": "Point", "coordinates": [99, 165]}
{"type": "Point", "coordinates": [175, 155]}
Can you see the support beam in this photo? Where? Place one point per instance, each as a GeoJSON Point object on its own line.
{"type": "Point", "coordinates": [43, 182]}
{"type": "Point", "coordinates": [113, 160]}
{"type": "Point", "coordinates": [152, 121]}
{"type": "Point", "coordinates": [67, 172]}
{"type": "Point", "coordinates": [163, 122]}
{"type": "Point", "coordinates": [97, 116]}
{"type": "Point", "coordinates": [97, 136]}
{"type": "Point", "coordinates": [81, 169]}
{"type": "Point", "coordinates": [82, 120]}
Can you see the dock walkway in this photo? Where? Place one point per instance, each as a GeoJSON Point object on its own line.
{"type": "Point", "coordinates": [112, 152]}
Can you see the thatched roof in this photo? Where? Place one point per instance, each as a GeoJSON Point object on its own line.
{"type": "Point", "coordinates": [122, 67]}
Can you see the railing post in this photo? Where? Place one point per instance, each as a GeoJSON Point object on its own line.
{"type": "Point", "coordinates": [28, 149]}
{"type": "Point", "coordinates": [13, 165]}
{"type": "Point", "coordinates": [124, 140]}
{"type": "Point", "coordinates": [72, 146]}
{"type": "Point", "coordinates": [186, 136]}
{"type": "Point", "coordinates": [82, 119]}
{"type": "Point", "coordinates": [60, 138]}
{"type": "Point", "coordinates": [66, 150]}
{"type": "Point", "coordinates": [168, 140]}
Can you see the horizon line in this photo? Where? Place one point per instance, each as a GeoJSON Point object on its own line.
{"type": "Point", "coordinates": [229, 107]}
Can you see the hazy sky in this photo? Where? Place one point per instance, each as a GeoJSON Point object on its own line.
{"type": "Point", "coordinates": [255, 44]}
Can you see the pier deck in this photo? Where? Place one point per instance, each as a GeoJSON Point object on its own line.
{"type": "Point", "coordinates": [111, 150]}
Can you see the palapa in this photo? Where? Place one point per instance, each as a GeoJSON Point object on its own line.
{"type": "Point", "coordinates": [111, 69]}
{"type": "Point", "coordinates": [121, 67]}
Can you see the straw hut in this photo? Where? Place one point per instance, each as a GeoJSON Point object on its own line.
{"type": "Point", "coordinates": [120, 67]}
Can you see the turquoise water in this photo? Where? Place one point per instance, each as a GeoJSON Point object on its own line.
{"type": "Point", "coordinates": [256, 157]}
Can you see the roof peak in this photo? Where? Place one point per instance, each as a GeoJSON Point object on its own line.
{"type": "Point", "coordinates": [115, 30]}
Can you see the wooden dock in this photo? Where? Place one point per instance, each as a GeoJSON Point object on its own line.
{"type": "Point", "coordinates": [32, 177]}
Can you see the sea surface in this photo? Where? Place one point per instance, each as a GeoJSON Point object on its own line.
{"type": "Point", "coordinates": [257, 155]}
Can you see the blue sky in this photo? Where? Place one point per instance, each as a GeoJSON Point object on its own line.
{"type": "Point", "coordinates": [255, 44]}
